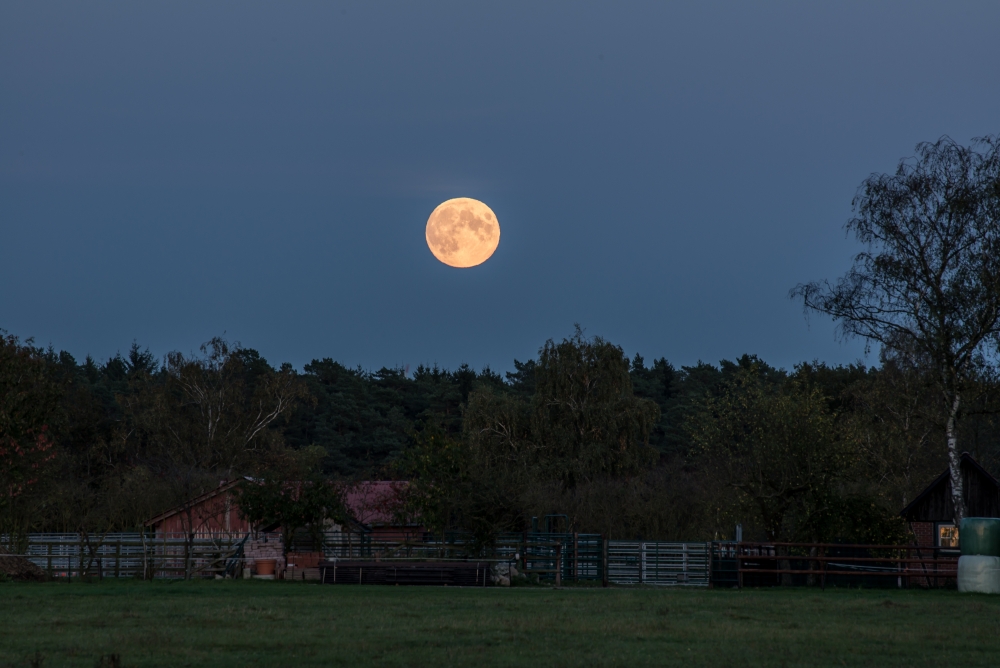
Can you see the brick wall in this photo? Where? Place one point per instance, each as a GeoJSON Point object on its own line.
{"type": "Point", "coordinates": [266, 547]}
{"type": "Point", "coordinates": [924, 533]}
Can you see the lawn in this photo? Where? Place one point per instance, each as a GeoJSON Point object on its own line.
{"type": "Point", "coordinates": [236, 623]}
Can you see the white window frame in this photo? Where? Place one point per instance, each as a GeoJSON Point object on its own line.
{"type": "Point", "coordinates": [937, 535]}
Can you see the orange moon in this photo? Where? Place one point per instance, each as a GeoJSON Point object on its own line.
{"type": "Point", "coordinates": [462, 232]}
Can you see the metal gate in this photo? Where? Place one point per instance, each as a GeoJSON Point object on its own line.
{"type": "Point", "coordinates": [658, 563]}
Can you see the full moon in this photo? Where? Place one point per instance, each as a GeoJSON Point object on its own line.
{"type": "Point", "coordinates": [463, 232]}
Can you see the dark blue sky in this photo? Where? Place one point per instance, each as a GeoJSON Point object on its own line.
{"type": "Point", "coordinates": [663, 173]}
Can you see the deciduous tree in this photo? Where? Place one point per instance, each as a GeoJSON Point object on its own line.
{"type": "Point", "coordinates": [29, 399]}
{"type": "Point", "coordinates": [775, 444]}
{"type": "Point", "coordinates": [927, 285]}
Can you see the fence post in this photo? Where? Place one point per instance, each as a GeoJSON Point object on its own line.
{"type": "Point", "coordinates": [118, 559]}
{"type": "Point", "coordinates": [187, 556]}
{"type": "Point", "coordinates": [739, 565]}
{"type": "Point", "coordinates": [81, 557]}
{"type": "Point", "coordinates": [604, 563]}
{"type": "Point", "coordinates": [524, 551]}
{"type": "Point", "coordinates": [48, 553]}
{"type": "Point", "coordinates": [559, 563]}
{"type": "Point", "coordinates": [576, 556]}
{"type": "Point", "coordinates": [711, 565]}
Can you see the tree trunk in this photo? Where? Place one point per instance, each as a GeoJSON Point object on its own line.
{"type": "Point", "coordinates": [955, 463]}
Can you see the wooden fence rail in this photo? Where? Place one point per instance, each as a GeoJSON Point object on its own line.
{"type": "Point", "coordinates": [820, 564]}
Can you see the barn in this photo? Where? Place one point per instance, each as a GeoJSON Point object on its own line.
{"type": "Point", "coordinates": [931, 513]}
{"type": "Point", "coordinates": [212, 513]}
{"type": "Point", "coordinates": [371, 504]}
{"type": "Point", "coordinates": [372, 507]}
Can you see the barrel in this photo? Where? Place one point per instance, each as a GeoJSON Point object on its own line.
{"type": "Point", "coordinates": [980, 536]}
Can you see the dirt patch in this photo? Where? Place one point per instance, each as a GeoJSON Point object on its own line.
{"type": "Point", "coordinates": [19, 568]}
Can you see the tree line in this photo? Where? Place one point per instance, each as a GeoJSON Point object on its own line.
{"type": "Point", "coordinates": [583, 432]}
{"type": "Point", "coordinates": [617, 445]}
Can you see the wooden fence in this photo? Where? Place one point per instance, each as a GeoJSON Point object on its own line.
{"type": "Point", "coordinates": [822, 564]}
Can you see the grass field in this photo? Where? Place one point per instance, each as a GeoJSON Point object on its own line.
{"type": "Point", "coordinates": [229, 623]}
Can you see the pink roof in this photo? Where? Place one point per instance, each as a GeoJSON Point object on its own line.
{"type": "Point", "coordinates": [375, 501]}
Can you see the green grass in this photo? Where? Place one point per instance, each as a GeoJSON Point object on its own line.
{"type": "Point", "coordinates": [226, 623]}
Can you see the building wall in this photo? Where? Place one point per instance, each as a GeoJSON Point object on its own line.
{"type": "Point", "coordinates": [266, 546]}
{"type": "Point", "coordinates": [216, 515]}
{"type": "Point", "coordinates": [981, 492]}
{"type": "Point", "coordinates": [924, 533]}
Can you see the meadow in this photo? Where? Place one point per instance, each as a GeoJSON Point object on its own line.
{"type": "Point", "coordinates": [235, 623]}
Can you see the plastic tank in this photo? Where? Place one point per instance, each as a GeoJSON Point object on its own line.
{"type": "Point", "coordinates": [980, 536]}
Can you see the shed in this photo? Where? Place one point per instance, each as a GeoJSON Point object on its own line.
{"type": "Point", "coordinates": [931, 514]}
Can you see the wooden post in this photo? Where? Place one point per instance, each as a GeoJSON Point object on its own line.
{"type": "Point", "coordinates": [739, 566]}
{"type": "Point", "coordinates": [187, 556]}
{"type": "Point", "coordinates": [604, 563]}
{"type": "Point", "coordinates": [118, 558]}
{"type": "Point", "coordinates": [81, 558]}
{"type": "Point", "coordinates": [48, 554]}
{"type": "Point", "coordinates": [559, 564]}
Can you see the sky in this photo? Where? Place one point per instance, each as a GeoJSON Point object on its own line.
{"type": "Point", "coordinates": [663, 172]}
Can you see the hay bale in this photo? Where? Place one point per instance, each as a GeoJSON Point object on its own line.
{"type": "Point", "coordinates": [19, 568]}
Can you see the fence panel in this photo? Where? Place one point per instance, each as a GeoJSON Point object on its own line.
{"type": "Point", "coordinates": [570, 556]}
{"type": "Point", "coordinates": [826, 564]}
{"type": "Point", "coordinates": [658, 563]}
{"type": "Point", "coordinates": [133, 554]}
{"type": "Point", "coordinates": [574, 556]}
{"type": "Point", "coordinates": [675, 564]}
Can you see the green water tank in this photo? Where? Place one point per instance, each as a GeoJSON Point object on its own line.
{"type": "Point", "coordinates": [980, 536]}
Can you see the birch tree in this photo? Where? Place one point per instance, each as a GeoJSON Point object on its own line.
{"type": "Point", "coordinates": [927, 285]}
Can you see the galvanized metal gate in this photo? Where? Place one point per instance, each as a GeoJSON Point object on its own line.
{"type": "Point", "coordinates": [658, 563]}
{"type": "Point", "coordinates": [132, 554]}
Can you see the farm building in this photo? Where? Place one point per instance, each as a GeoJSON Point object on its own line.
{"type": "Point", "coordinates": [371, 504]}
{"type": "Point", "coordinates": [372, 507]}
{"type": "Point", "coordinates": [931, 513]}
{"type": "Point", "coordinates": [212, 513]}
